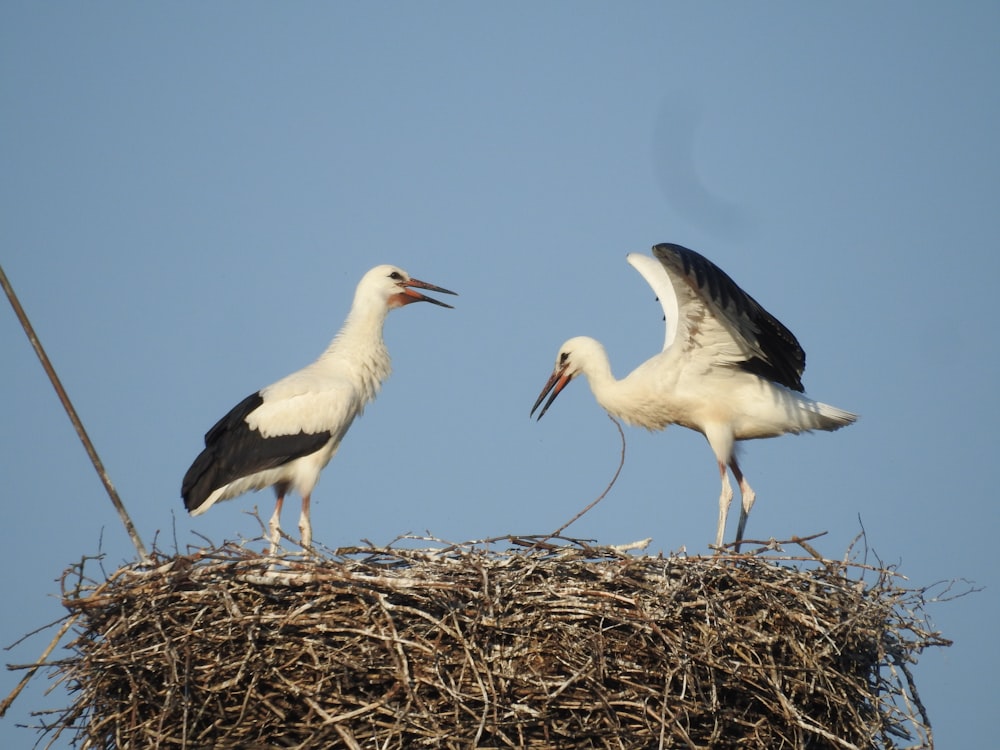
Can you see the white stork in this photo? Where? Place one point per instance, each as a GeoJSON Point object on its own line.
{"type": "Point", "coordinates": [283, 435]}
{"type": "Point", "coordinates": [729, 369]}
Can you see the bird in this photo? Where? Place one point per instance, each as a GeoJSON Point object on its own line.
{"type": "Point", "coordinates": [728, 369]}
{"type": "Point", "coordinates": [284, 435]}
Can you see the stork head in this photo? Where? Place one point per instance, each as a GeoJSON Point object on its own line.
{"type": "Point", "coordinates": [397, 288]}
{"type": "Point", "coordinates": [570, 362]}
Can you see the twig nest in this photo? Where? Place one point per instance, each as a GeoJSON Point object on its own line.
{"type": "Point", "coordinates": [536, 645]}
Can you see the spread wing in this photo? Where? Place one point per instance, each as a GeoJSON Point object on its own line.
{"type": "Point", "coordinates": [708, 314]}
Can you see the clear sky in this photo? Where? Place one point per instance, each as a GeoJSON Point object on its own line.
{"type": "Point", "coordinates": [190, 193]}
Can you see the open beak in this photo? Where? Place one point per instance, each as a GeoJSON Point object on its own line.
{"type": "Point", "coordinates": [555, 384]}
{"type": "Point", "coordinates": [410, 294]}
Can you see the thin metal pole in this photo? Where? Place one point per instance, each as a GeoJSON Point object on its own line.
{"type": "Point", "coordinates": [68, 406]}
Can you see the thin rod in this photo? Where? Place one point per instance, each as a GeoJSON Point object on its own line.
{"type": "Point", "coordinates": [73, 417]}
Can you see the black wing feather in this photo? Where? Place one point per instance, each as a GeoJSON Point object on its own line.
{"type": "Point", "coordinates": [233, 450]}
{"type": "Point", "coordinates": [778, 355]}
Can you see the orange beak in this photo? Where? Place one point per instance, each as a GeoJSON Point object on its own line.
{"type": "Point", "coordinates": [409, 294]}
{"type": "Point", "coordinates": [555, 383]}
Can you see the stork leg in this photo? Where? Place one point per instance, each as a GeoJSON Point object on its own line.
{"type": "Point", "coordinates": [747, 497]}
{"type": "Point", "coordinates": [305, 525]}
{"type": "Point", "coordinates": [724, 501]}
{"type": "Point", "coordinates": [274, 525]}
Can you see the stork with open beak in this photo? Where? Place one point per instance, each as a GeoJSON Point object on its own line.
{"type": "Point", "coordinates": [283, 435]}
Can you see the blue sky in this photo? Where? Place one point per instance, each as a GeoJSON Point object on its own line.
{"type": "Point", "coordinates": [191, 191]}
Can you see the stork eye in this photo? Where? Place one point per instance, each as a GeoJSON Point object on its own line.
{"type": "Point", "coordinates": [396, 276]}
{"type": "Point", "coordinates": [563, 358]}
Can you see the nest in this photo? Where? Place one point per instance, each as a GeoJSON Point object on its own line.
{"type": "Point", "coordinates": [540, 644]}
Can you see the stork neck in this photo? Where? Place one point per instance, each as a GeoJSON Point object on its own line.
{"type": "Point", "coordinates": [603, 383]}
{"type": "Point", "coordinates": [364, 323]}
{"type": "Point", "coordinates": [359, 344]}
{"type": "Point", "coordinates": [627, 399]}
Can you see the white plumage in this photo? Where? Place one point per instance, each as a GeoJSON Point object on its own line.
{"type": "Point", "coordinates": [285, 434]}
{"type": "Point", "coordinates": [728, 369]}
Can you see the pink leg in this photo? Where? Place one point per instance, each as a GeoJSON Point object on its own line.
{"type": "Point", "coordinates": [274, 525]}
{"type": "Point", "coordinates": [747, 497]}
{"type": "Point", "coordinates": [305, 525]}
{"type": "Point", "coordinates": [724, 500]}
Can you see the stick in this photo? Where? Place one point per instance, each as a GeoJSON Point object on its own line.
{"type": "Point", "coordinates": [73, 417]}
{"type": "Point", "coordinates": [600, 497]}
{"type": "Point", "coordinates": [41, 661]}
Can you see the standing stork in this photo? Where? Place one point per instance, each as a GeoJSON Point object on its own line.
{"type": "Point", "coordinates": [283, 435]}
{"type": "Point", "coordinates": [729, 369]}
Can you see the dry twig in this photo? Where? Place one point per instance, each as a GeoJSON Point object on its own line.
{"type": "Point", "coordinates": [456, 646]}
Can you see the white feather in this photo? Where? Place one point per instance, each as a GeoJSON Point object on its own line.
{"type": "Point", "coordinates": [698, 380]}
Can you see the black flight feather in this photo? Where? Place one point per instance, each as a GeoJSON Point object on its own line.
{"type": "Point", "coordinates": [777, 354]}
{"type": "Point", "coordinates": [233, 450]}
